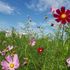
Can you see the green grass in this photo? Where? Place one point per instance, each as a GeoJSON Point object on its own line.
{"type": "Point", "coordinates": [53, 57]}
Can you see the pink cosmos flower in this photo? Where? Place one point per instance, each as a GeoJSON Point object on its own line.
{"type": "Point", "coordinates": [2, 53]}
{"type": "Point", "coordinates": [53, 9]}
{"type": "Point", "coordinates": [32, 42]}
{"type": "Point", "coordinates": [68, 61]}
{"type": "Point", "coordinates": [11, 63]}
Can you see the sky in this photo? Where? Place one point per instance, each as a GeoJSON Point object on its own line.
{"type": "Point", "coordinates": [15, 13]}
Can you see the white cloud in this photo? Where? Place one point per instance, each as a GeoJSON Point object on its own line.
{"type": "Point", "coordinates": [5, 8]}
{"type": "Point", "coordinates": [42, 5]}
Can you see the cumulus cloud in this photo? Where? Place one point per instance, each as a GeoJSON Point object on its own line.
{"type": "Point", "coordinates": [5, 8]}
{"type": "Point", "coordinates": [42, 5]}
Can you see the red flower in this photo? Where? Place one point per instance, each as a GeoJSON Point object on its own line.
{"type": "Point", "coordinates": [62, 15]}
{"type": "Point", "coordinates": [40, 50]}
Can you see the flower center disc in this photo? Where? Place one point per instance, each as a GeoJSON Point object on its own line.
{"type": "Point", "coordinates": [40, 50]}
{"type": "Point", "coordinates": [12, 65]}
{"type": "Point", "coordinates": [63, 16]}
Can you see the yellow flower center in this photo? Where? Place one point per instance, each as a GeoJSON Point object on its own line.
{"type": "Point", "coordinates": [63, 16]}
{"type": "Point", "coordinates": [11, 65]}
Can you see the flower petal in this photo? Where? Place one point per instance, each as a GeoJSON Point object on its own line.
{"type": "Point", "coordinates": [58, 20]}
{"type": "Point", "coordinates": [16, 60]}
{"type": "Point", "coordinates": [67, 11]}
{"type": "Point", "coordinates": [55, 15]}
{"type": "Point", "coordinates": [63, 21]}
{"type": "Point", "coordinates": [68, 61]}
{"type": "Point", "coordinates": [68, 16]}
{"type": "Point", "coordinates": [4, 64]}
{"type": "Point", "coordinates": [11, 69]}
{"type": "Point", "coordinates": [62, 9]}
{"type": "Point", "coordinates": [68, 20]}
{"type": "Point", "coordinates": [58, 11]}
{"type": "Point", "coordinates": [8, 58]}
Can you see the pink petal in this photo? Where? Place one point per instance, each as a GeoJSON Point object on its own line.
{"type": "Point", "coordinates": [68, 61]}
{"type": "Point", "coordinates": [9, 58]}
{"type": "Point", "coordinates": [4, 64]}
{"type": "Point", "coordinates": [3, 53]}
{"type": "Point", "coordinates": [16, 61]}
{"type": "Point", "coordinates": [10, 47]}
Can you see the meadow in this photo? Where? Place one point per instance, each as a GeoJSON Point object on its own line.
{"type": "Point", "coordinates": [53, 56]}
{"type": "Point", "coordinates": [35, 52]}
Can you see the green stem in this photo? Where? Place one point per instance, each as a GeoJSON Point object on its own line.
{"type": "Point", "coordinates": [62, 35]}
{"type": "Point", "coordinates": [25, 50]}
{"type": "Point", "coordinates": [33, 62]}
{"type": "Point", "coordinates": [43, 68]}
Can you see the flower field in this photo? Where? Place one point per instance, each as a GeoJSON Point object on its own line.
{"type": "Point", "coordinates": [46, 54]}
{"type": "Point", "coordinates": [31, 53]}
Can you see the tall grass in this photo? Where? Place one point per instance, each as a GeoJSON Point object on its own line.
{"type": "Point", "coordinates": [54, 56]}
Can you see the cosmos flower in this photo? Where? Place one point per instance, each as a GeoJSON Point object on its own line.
{"type": "Point", "coordinates": [9, 48]}
{"type": "Point", "coordinates": [2, 53]}
{"type": "Point", "coordinates": [40, 50]}
{"type": "Point", "coordinates": [62, 15]}
{"type": "Point", "coordinates": [8, 33]}
{"type": "Point", "coordinates": [32, 42]}
{"type": "Point", "coordinates": [53, 9]}
{"type": "Point", "coordinates": [11, 63]}
{"type": "Point", "coordinates": [6, 50]}
{"type": "Point", "coordinates": [68, 62]}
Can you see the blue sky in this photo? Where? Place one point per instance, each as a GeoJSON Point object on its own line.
{"type": "Point", "coordinates": [14, 13]}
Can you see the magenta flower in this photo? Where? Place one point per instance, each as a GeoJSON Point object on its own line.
{"type": "Point", "coordinates": [68, 62]}
{"type": "Point", "coordinates": [11, 63]}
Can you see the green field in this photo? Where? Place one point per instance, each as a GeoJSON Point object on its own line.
{"type": "Point", "coordinates": [54, 55]}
